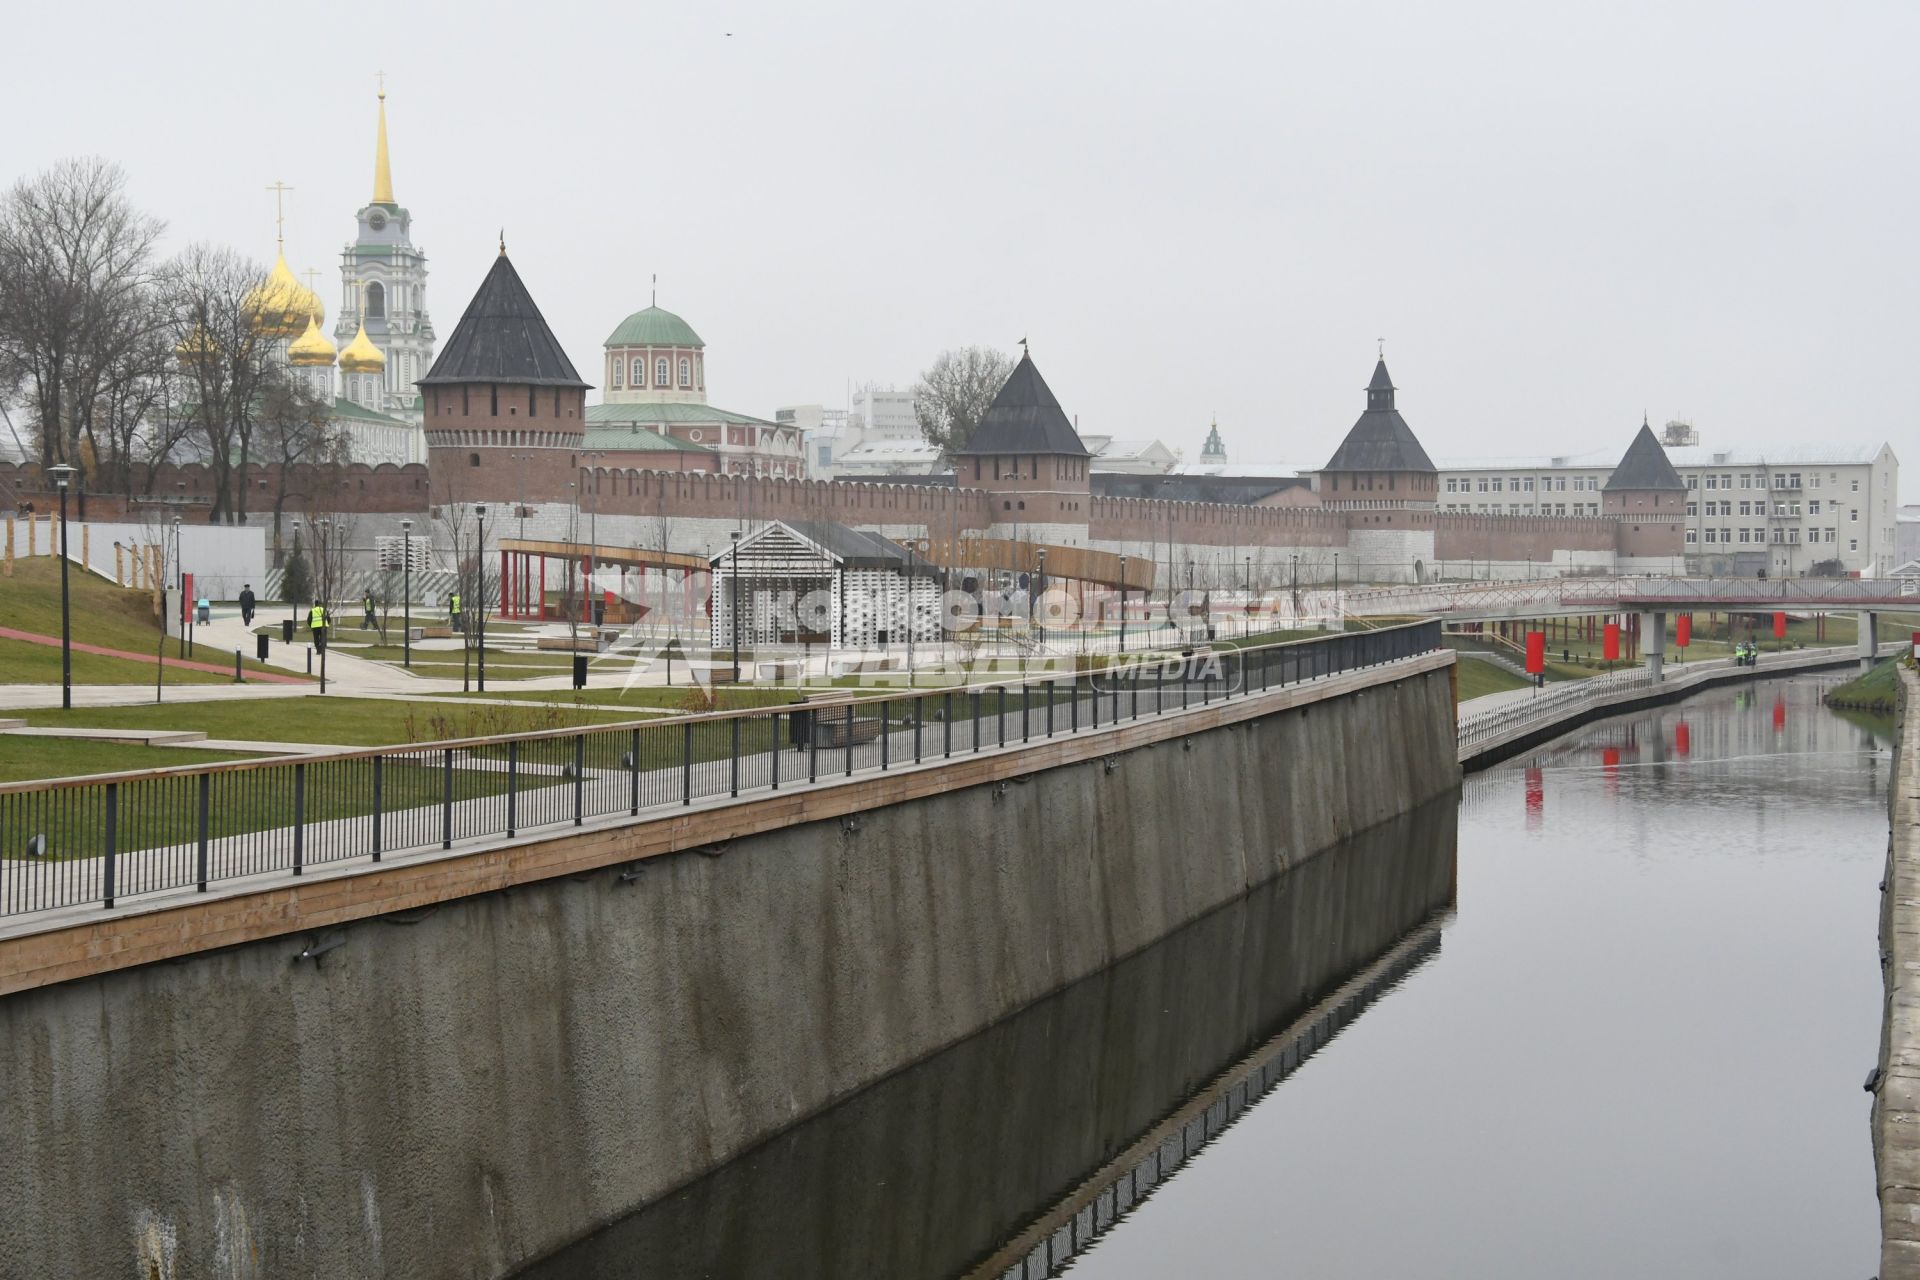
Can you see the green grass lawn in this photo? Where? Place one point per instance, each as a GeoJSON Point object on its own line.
{"type": "Point", "coordinates": [1477, 679]}
{"type": "Point", "coordinates": [349, 722]}
{"type": "Point", "coordinates": [678, 697]}
{"type": "Point", "coordinates": [27, 759]}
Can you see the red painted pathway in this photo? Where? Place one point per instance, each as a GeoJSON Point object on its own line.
{"type": "Point", "coordinates": [270, 677]}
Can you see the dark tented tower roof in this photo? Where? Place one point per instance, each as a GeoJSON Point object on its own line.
{"type": "Point", "coordinates": [503, 338]}
{"type": "Point", "coordinates": [1025, 418]}
{"type": "Point", "coordinates": [1645, 466]}
{"type": "Point", "coordinates": [1381, 440]}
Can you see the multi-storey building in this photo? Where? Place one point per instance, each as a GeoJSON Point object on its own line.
{"type": "Point", "coordinates": [1787, 511]}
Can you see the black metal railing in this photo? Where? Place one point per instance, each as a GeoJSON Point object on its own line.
{"type": "Point", "coordinates": [104, 838]}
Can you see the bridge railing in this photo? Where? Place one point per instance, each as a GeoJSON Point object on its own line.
{"type": "Point", "coordinates": [1629, 593]}
{"type": "Point", "coordinates": [1548, 704]}
{"type": "Point", "coordinates": [100, 839]}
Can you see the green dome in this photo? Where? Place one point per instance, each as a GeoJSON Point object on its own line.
{"type": "Point", "coordinates": [654, 328]}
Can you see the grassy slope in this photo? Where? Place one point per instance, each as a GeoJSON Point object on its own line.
{"type": "Point", "coordinates": [351, 722]}
{"type": "Point", "coordinates": [1877, 690]}
{"type": "Point", "coordinates": [1477, 679]}
{"type": "Point", "coordinates": [24, 663]}
{"type": "Point", "coordinates": [102, 614]}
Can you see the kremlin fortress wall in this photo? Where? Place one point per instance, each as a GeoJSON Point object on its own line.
{"type": "Point", "coordinates": [506, 423]}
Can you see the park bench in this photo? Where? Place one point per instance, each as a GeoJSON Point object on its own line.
{"type": "Point", "coordinates": [823, 721]}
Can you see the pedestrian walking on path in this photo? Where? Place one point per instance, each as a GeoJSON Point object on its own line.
{"type": "Point", "coordinates": [368, 624]}
{"type": "Point", "coordinates": [246, 605]}
{"type": "Point", "coordinates": [317, 624]}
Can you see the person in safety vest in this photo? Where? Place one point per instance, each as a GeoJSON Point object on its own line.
{"type": "Point", "coordinates": [453, 609]}
{"type": "Point", "coordinates": [317, 624]}
{"type": "Point", "coordinates": [368, 622]}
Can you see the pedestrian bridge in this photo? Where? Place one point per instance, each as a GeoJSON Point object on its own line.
{"type": "Point", "coordinates": [1559, 597]}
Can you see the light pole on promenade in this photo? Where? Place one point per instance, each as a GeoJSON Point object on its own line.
{"type": "Point", "coordinates": [62, 478]}
{"type": "Point", "coordinates": [406, 593]}
{"type": "Point", "coordinates": [480, 518]}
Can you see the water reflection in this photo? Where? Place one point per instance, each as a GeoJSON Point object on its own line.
{"type": "Point", "coordinates": [972, 1158]}
{"type": "Point", "coordinates": [1639, 1054]}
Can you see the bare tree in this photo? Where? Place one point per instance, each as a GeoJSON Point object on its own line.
{"type": "Point", "coordinates": [296, 432]}
{"type": "Point", "coordinates": [954, 393]}
{"type": "Point", "coordinates": [227, 362]}
{"type": "Point", "coordinates": [76, 262]}
{"type": "Point", "coordinates": [130, 428]}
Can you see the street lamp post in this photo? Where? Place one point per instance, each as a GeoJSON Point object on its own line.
{"type": "Point", "coordinates": [406, 593]}
{"type": "Point", "coordinates": [1247, 614]}
{"type": "Point", "coordinates": [293, 606]}
{"type": "Point", "coordinates": [733, 607]}
{"type": "Point", "coordinates": [1039, 589]}
{"type": "Point", "coordinates": [480, 561]}
{"type": "Point", "coordinates": [1190, 633]}
{"type": "Point", "coordinates": [323, 593]}
{"type": "Point", "coordinates": [180, 572]}
{"type": "Point", "coordinates": [62, 478]}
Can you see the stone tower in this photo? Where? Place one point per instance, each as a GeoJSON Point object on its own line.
{"type": "Point", "coordinates": [1029, 459]}
{"type": "Point", "coordinates": [505, 412]}
{"type": "Point", "coordinates": [1648, 500]}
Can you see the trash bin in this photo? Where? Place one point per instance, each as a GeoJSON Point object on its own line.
{"type": "Point", "coordinates": [286, 631]}
{"type": "Point", "coordinates": [260, 647]}
{"type": "Point", "coordinates": [599, 612]}
{"type": "Point", "coordinates": [579, 670]}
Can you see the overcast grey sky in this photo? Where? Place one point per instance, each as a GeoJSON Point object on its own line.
{"type": "Point", "coordinates": [1556, 215]}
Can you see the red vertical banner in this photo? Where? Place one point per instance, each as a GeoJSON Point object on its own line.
{"type": "Point", "coordinates": [1779, 626]}
{"type": "Point", "coordinates": [1683, 631]}
{"type": "Point", "coordinates": [186, 599]}
{"type": "Point", "coordinates": [1536, 652]}
{"type": "Point", "coordinates": [1916, 646]}
{"type": "Point", "coordinates": [1610, 642]}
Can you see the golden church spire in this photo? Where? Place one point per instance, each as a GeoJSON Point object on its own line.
{"type": "Point", "coordinates": [382, 171]}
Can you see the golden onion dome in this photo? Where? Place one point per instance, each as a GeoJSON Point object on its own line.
{"type": "Point", "coordinates": [360, 355]}
{"type": "Point", "coordinates": [196, 347]}
{"type": "Point", "coordinates": [280, 305]}
{"type": "Point", "coordinates": [310, 350]}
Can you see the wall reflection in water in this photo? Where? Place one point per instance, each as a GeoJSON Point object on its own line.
{"type": "Point", "coordinates": [973, 1157]}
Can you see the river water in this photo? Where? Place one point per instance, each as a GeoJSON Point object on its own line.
{"type": "Point", "coordinates": [1608, 1015]}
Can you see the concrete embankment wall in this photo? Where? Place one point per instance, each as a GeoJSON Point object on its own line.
{"type": "Point", "coordinates": [1896, 1104]}
{"type": "Point", "coordinates": [456, 1091]}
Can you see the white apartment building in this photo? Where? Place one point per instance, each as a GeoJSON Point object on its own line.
{"type": "Point", "coordinates": [877, 431]}
{"type": "Point", "coordinates": [820, 428]}
{"type": "Point", "coordinates": [1786, 512]}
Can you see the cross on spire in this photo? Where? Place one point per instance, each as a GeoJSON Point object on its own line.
{"type": "Point", "coordinates": [280, 190]}
{"type": "Point", "coordinates": [653, 298]}
{"type": "Point", "coordinates": [1382, 348]}
{"type": "Point", "coordinates": [380, 79]}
